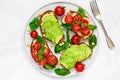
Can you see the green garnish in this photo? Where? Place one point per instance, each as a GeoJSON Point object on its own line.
{"type": "Point", "coordinates": [41, 40]}
{"type": "Point", "coordinates": [59, 47]}
{"type": "Point", "coordinates": [34, 24]}
{"type": "Point", "coordinates": [68, 26]}
{"type": "Point", "coordinates": [40, 53]}
{"type": "Point", "coordinates": [92, 41]}
{"type": "Point", "coordinates": [81, 12]}
{"type": "Point", "coordinates": [92, 27]}
{"type": "Point", "coordinates": [68, 37]}
{"type": "Point", "coordinates": [49, 67]}
{"type": "Point", "coordinates": [61, 72]}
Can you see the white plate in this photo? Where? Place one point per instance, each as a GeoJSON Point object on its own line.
{"type": "Point", "coordinates": [28, 39]}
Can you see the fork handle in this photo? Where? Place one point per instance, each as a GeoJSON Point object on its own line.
{"type": "Point", "coordinates": [108, 39]}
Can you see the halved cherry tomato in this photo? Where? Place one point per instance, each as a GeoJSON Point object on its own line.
{"type": "Point", "coordinates": [85, 31]}
{"type": "Point", "coordinates": [59, 11]}
{"type": "Point", "coordinates": [68, 18]}
{"type": "Point", "coordinates": [77, 17]}
{"type": "Point", "coordinates": [34, 34]}
{"type": "Point", "coordinates": [85, 22]}
{"type": "Point", "coordinates": [36, 46]}
{"type": "Point", "coordinates": [34, 54]}
{"type": "Point", "coordinates": [42, 62]}
{"type": "Point", "coordinates": [79, 67]}
{"type": "Point", "coordinates": [52, 60]}
{"type": "Point", "coordinates": [76, 27]}
{"type": "Point", "coordinates": [76, 39]}
{"type": "Point", "coordinates": [46, 52]}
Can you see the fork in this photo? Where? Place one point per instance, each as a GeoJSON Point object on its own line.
{"type": "Point", "coordinates": [96, 14]}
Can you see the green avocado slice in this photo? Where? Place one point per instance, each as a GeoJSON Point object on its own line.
{"type": "Point", "coordinates": [51, 28]}
{"type": "Point", "coordinates": [76, 53]}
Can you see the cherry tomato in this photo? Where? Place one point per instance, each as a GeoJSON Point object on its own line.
{"type": "Point", "coordinates": [59, 11]}
{"type": "Point", "coordinates": [79, 67]}
{"type": "Point", "coordinates": [76, 39]}
{"type": "Point", "coordinates": [77, 17]}
{"type": "Point", "coordinates": [34, 34]}
{"type": "Point", "coordinates": [76, 27]}
{"type": "Point", "coordinates": [34, 54]}
{"type": "Point", "coordinates": [85, 31]}
{"type": "Point", "coordinates": [42, 62]}
{"type": "Point", "coordinates": [85, 22]}
{"type": "Point", "coordinates": [68, 18]}
{"type": "Point", "coordinates": [46, 52]}
{"type": "Point", "coordinates": [52, 60]}
{"type": "Point", "coordinates": [36, 46]}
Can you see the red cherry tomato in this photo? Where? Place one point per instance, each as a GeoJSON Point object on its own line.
{"type": "Point", "coordinates": [79, 67]}
{"type": "Point", "coordinates": [76, 27]}
{"type": "Point", "coordinates": [85, 22]}
{"type": "Point", "coordinates": [77, 17]}
{"type": "Point", "coordinates": [34, 54]}
{"type": "Point", "coordinates": [42, 62]}
{"type": "Point", "coordinates": [68, 18]}
{"type": "Point", "coordinates": [36, 46]}
{"type": "Point", "coordinates": [76, 39]}
{"type": "Point", "coordinates": [85, 31]}
{"type": "Point", "coordinates": [59, 11]}
{"type": "Point", "coordinates": [34, 34]}
{"type": "Point", "coordinates": [52, 60]}
{"type": "Point", "coordinates": [46, 52]}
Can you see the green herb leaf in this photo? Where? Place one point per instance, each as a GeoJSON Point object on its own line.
{"type": "Point", "coordinates": [81, 12]}
{"type": "Point", "coordinates": [34, 24]}
{"type": "Point", "coordinates": [92, 27]}
{"type": "Point", "coordinates": [40, 53]}
{"type": "Point", "coordinates": [41, 40]}
{"type": "Point", "coordinates": [49, 67]}
{"type": "Point", "coordinates": [82, 25]}
{"type": "Point", "coordinates": [67, 35]}
{"type": "Point", "coordinates": [92, 41]}
{"type": "Point", "coordinates": [68, 26]}
{"type": "Point", "coordinates": [59, 47]}
{"type": "Point", "coordinates": [61, 72]}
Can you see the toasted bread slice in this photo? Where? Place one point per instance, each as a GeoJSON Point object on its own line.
{"type": "Point", "coordinates": [75, 53]}
{"type": "Point", "coordinates": [73, 13]}
{"type": "Point", "coordinates": [56, 37]}
{"type": "Point", "coordinates": [33, 52]}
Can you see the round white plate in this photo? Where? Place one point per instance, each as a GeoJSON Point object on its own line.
{"type": "Point", "coordinates": [28, 39]}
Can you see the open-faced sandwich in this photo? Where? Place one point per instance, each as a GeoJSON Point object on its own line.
{"type": "Point", "coordinates": [56, 27]}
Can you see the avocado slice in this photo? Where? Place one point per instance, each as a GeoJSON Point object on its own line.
{"type": "Point", "coordinates": [50, 27]}
{"type": "Point", "coordinates": [75, 53]}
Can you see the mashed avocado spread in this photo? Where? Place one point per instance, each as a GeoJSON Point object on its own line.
{"type": "Point", "coordinates": [51, 28]}
{"type": "Point", "coordinates": [75, 53]}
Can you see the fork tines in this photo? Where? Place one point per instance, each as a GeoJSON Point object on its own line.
{"type": "Point", "coordinates": [94, 8]}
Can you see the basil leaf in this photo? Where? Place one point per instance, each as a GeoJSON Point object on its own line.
{"type": "Point", "coordinates": [41, 40]}
{"type": "Point", "coordinates": [49, 67]}
{"type": "Point", "coordinates": [40, 53]}
{"type": "Point", "coordinates": [59, 47]}
{"type": "Point", "coordinates": [68, 37]}
{"type": "Point", "coordinates": [81, 12]}
{"type": "Point", "coordinates": [68, 26]}
{"type": "Point", "coordinates": [92, 41]}
{"type": "Point", "coordinates": [61, 72]}
{"type": "Point", "coordinates": [92, 27]}
{"type": "Point", "coordinates": [34, 24]}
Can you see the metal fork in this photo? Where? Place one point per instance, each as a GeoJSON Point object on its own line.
{"type": "Point", "coordinates": [96, 14]}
